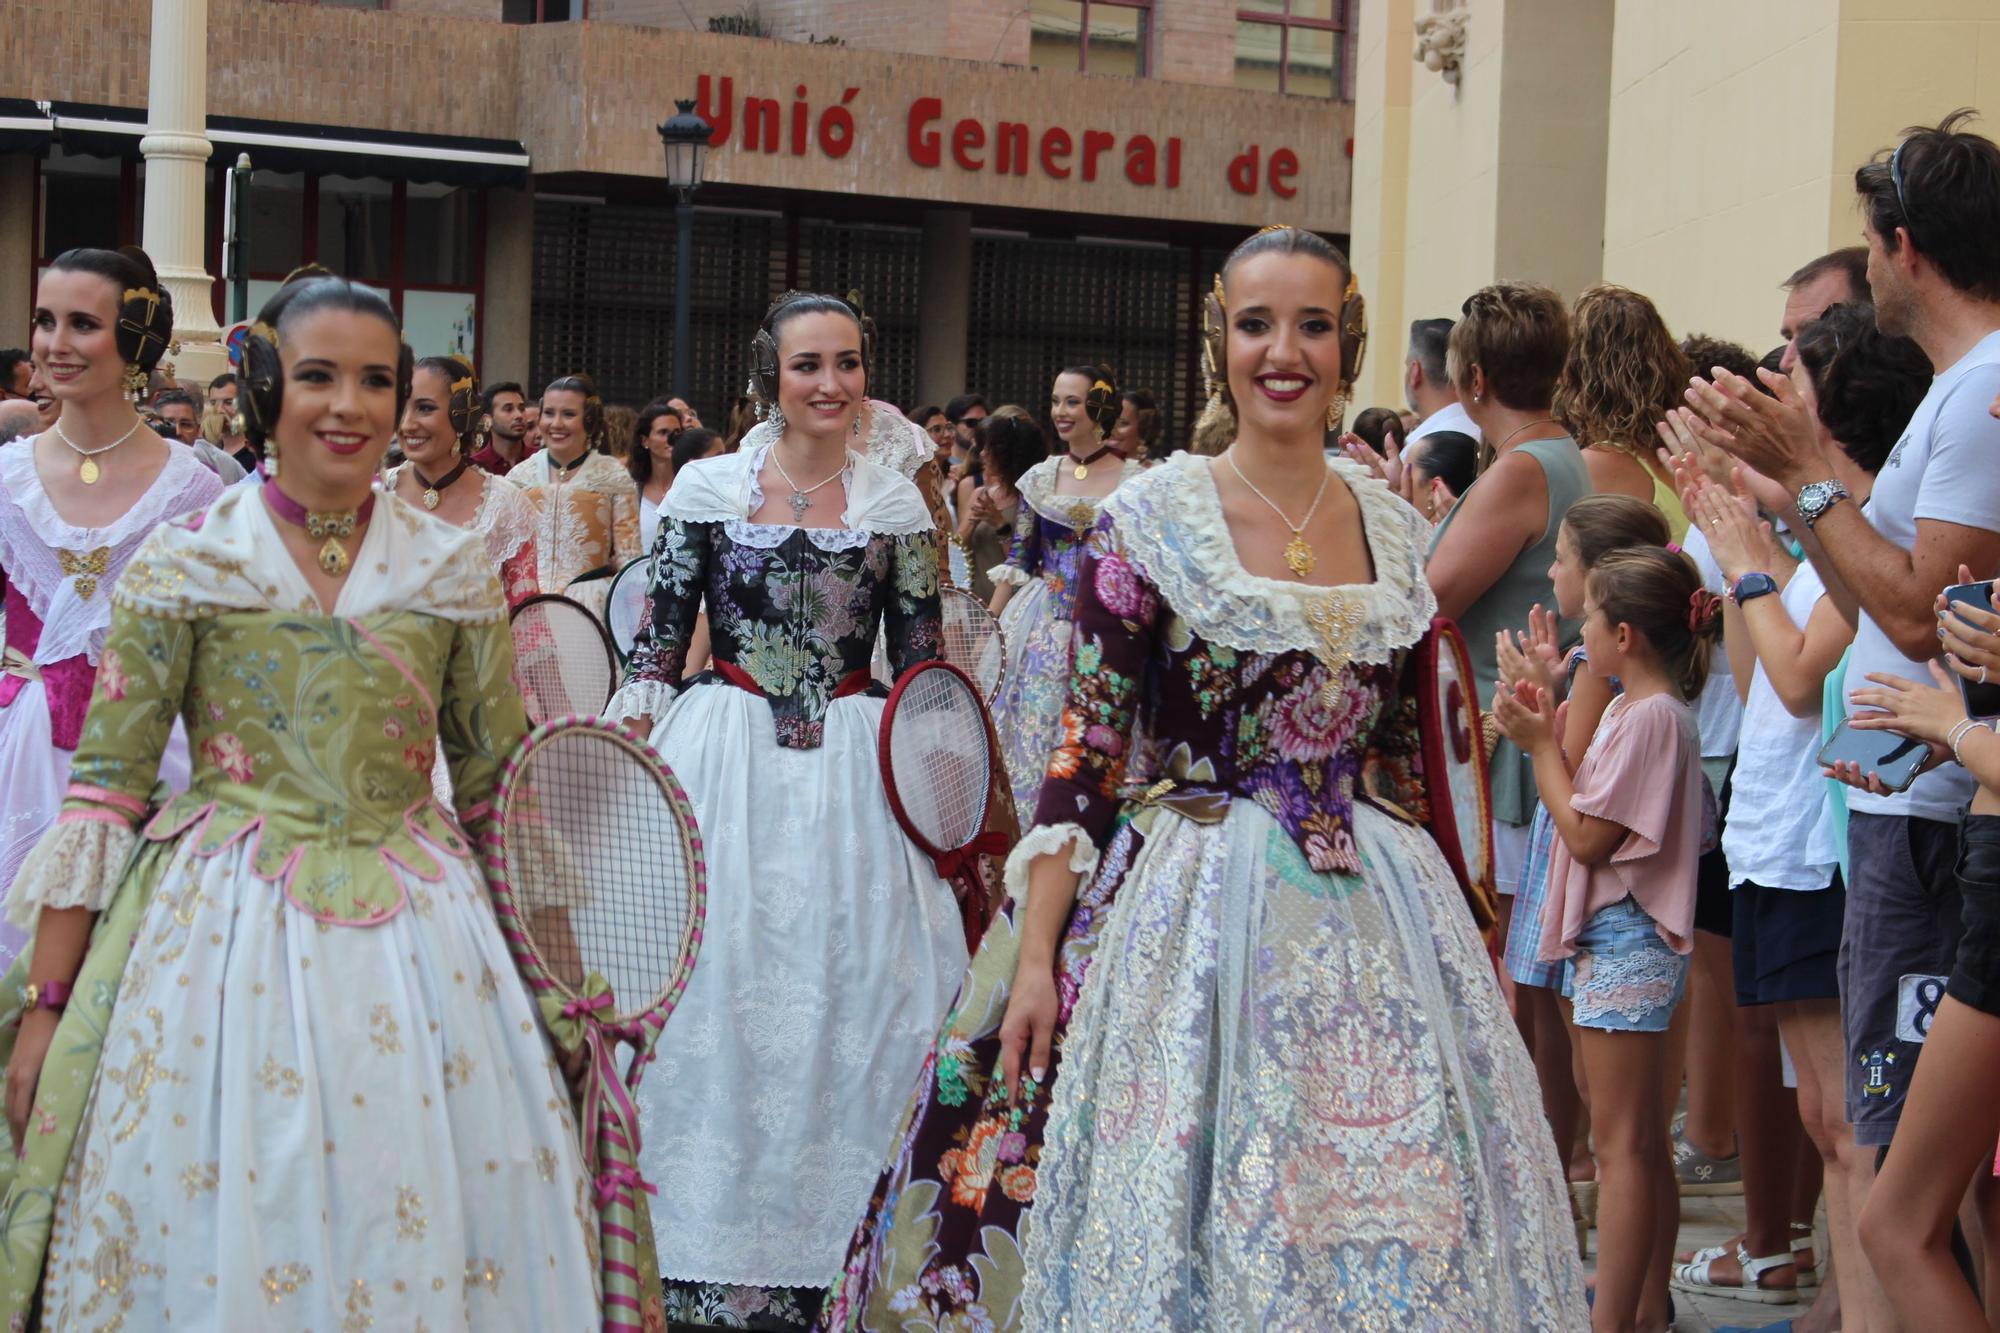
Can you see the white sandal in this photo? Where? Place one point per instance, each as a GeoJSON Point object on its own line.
{"type": "Point", "coordinates": [1802, 1241]}
{"type": "Point", "coordinates": [1697, 1278]}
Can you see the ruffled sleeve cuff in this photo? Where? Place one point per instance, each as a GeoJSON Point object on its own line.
{"type": "Point", "coordinates": [1004, 573]}
{"type": "Point", "coordinates": [1049, 840]}
{"type": "Point", "coordinates": [76, 864]}
{"type": "Point", "coordinates": [640, 698]}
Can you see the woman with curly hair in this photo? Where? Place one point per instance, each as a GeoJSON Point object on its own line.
{"type": "Point", "coordinates": [1624, 372]}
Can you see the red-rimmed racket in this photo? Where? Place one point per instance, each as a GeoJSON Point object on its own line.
{"type": "Point", "coordinates": [937, 767]}
{"type": "Point", "coordinates": [1455, 768]}
{"type": "Point", "coordinates": [562, 657]}
{"type": "Point", "coordinates": [598, 881]}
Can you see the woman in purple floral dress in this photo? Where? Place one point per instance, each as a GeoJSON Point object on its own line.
{"type": "Point", "coordinates": [1234, 1056]}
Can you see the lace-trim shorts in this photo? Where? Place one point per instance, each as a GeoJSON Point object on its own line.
{"type": "Point", "coordinates": [1623, 976]}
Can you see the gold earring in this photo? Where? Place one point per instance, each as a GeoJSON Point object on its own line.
{"type": "Point", "coordinates": [1336, 412]}
{"type": "Point", "coordinates": [135, 383]}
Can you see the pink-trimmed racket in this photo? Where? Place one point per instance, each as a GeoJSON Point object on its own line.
{"type": "Point", "coordinates": [598, 880]}
{"type": "Point", "coordinates": [563, 659]}
{"type": "Point", "coordinates": [936, 754]}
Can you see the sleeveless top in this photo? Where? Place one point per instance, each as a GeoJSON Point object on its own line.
{"type": "Point", "coordinates": [1506, 604]}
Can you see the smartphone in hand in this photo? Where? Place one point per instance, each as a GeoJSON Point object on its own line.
{"type": "Point", "coordinates": [1894, 759]}
{"type": "Point", "coordinates": [1981, 701]}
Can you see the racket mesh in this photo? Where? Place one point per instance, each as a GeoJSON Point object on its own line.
{"type": "Point", "coordinates": [560, 660]}
{"type": "Point", "coordinates": [939, 759]}
{"type": "Point", "coordinates": [625, 612]}
{"type": "Point", "coordinates": [600, 865]}
{"type": "Point", "coordinates": [971, 639]}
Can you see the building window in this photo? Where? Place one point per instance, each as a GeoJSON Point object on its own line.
{"type": "Point", "coordinates": [1293, 46]}
{"type": "Point", "coordinates": [1094, 36]}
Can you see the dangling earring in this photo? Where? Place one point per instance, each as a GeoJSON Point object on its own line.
{"type": "Point", "coordinates": [271, 458]}
{"type": "Point", "coordinates": [135, 383]}
{"type": "Point", "coordinates": [776, 417]}
{"type": "Point", "coordinates": [1336, 412]}
{"type": "Point", "coordinates": [857, 426]}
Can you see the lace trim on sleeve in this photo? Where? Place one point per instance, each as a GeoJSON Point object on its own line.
{"type": "Point", "coordinates": [76, 864]}
{"type": "Point", "coordinates": [1020, 578]}
{"type": "Point", "coordinates": [640, 698]}
{"type": "Point", "coordinates": [1170, 524]}
{"type": "Point", "coordinates": [896, 442]}
{"type": "Point", "coordinates": [1049, 840]}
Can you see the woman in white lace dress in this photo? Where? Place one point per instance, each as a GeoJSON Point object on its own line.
{"type": "Point", "coordinates": [832, 946]}
{"type": "Point", "coordinates": [75, 503]}
{"type": "Point", "coordinates": [437, 474]}
{"type": "Point", "coordinates": [1234, 1057]}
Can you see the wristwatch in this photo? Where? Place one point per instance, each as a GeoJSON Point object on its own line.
{"type": "Point", "coordinates": [1752, 585]}
{"type": "Point", "coordinates": [1817, 497]}
{"type": "Point", "coordinates": [45, 995]}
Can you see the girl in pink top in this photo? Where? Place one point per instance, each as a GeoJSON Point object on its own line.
{"type": "Point", "coordinates": [1622, 886]}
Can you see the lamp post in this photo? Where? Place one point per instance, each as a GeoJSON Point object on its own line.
{"type": "Point", "coordinates": [685, 137]}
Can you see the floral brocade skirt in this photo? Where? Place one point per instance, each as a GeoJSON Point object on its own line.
{"type": "Point", "coordinates": [297, 1125]}
{"type": "Point", "coordinates": [1027, 709]}
{"type": "Point", "coordinates": [1283, 1099]}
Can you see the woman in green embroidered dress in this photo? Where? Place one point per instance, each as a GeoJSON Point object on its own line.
{"type": "Point", "coordinates": [275, 1069]}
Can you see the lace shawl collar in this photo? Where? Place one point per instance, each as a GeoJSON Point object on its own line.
{"type": "Point", "coordinates": [230, 558]}
{"type": "Point", "coordinates": [894, 441]}
{"type": "Point", "coordinates": [1038, 488]}
{"type": "Point", "coordinates": [1170, 524]}
{"type": "Point", "coordinates": [880, 502]}
{"type": "Point", "coordinates": [30, 538]}
{"type": "Point", "coordinates": [505, 515]}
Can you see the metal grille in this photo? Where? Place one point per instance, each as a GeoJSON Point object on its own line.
{"type": "Point", "coordinates": [604, 299]}
{"type": "Point", "coordinates": [1040, 305]}
{"type": "Point", "coordinates": [881, 263]}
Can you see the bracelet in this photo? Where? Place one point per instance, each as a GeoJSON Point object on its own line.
{"type": "Point", "coordinates": [1957, 737]}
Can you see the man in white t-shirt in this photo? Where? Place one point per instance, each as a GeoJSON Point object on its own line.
{"type": "Point", "coordinates": [1429, 387]}
{"type": "Point", "coordinates": [1930, 213]}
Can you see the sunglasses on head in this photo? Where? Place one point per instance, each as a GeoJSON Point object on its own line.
{"type": "Point", "coordinates": [1896, 179]}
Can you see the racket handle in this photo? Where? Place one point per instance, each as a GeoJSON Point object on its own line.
{"type": "Point", "coordinates": [619, 1230]}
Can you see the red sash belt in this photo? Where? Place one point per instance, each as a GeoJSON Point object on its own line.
{"type": "Point", "coordinates": [853, 683]}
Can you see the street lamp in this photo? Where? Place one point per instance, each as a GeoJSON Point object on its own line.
{"type": "Point", "coordinates": [685, 137]}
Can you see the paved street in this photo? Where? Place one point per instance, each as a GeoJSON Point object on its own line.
{"type": "Point", "coordinates": [1710, 1221]}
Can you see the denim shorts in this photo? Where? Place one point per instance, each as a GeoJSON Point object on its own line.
{"type": "Point", "coordinates": [1623, 976]}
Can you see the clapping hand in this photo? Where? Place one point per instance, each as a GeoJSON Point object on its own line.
{"type": "Point", "coordinates": [1739, 540]}
{"type": "Point", "coordinates": [1774, 432]}
{"type": "Point", "coordinates": [1533, 657]}
{"type": "Point", "coordinates": [1527, 716]}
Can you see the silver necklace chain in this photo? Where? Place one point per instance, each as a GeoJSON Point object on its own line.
{"type": "Point", "coordinates": [80, 451]}
{"type": "Point", "coordinates": [1298, 527]}
{"type": "Point", "coordinates": [801, 496]}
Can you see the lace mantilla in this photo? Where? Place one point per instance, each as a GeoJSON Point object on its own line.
{"type": "Point", "coordinates": [1048, 840]}
{"type": "Point", "coordinates": [65, 572]}
{"type": "Point", "coordinates": [894, 441]}
{"type": "Point", "coordinates": [76, 864]}
{"type": "Point", "coordinates": [880, 503]}
{"type": "Point", "coordinates": [232, 559]}
{"type": "Point", "coordinates": [1038, 488]}
{"type": "Point", "coordinates": [1170, 524]}
{"type": "Point", "coordinates": [505, 516]}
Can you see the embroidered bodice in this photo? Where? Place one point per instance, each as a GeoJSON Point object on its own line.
{"type": "Point", "coordinates": [1197, 683]}
{"type": "Point", "coordinates": [59, 577]}
{"type": "Point", "coordinates": [589, 517]}
{"type": "Point", "coordinates": [794, 610]}
{"type": "Point", "coordinates": [313, 735]}
{"type": "Point", "coordinates": [1049, 532]}
{"type": "Point", "coordinates": [506, 519]}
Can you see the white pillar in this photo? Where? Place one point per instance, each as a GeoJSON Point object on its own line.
{"type": "Point", "coordinates": [176, 148]}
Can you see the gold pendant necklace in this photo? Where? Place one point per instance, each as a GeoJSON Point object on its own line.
{"type": "Point", "coordinates": [329, 528]}
{"type": "Point", "coordinates": [88, 471]}
{"type": "Point", "coordinates": [1082, 469]}
{"type": "Point", "coordinates": [1300, 557]}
